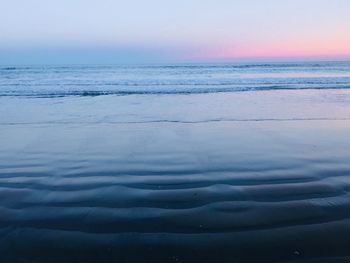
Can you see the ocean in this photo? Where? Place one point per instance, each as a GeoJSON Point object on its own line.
{"type": "Point", "coordinates": [226, 162]}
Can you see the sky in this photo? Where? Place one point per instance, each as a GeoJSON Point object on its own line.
{"type": "Point", "coordinates": [120, 31]}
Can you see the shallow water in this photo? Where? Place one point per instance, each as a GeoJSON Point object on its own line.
{"type": "Point", "coordinates": [238, 176]}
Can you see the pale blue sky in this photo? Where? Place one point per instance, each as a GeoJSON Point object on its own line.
{"type": "Point", "coordinates": [110, 30]}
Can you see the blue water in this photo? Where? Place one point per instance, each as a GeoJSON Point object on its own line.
{"type": "Point", "coordinates": [171, 79]}
{"type": "Point", "coordinates": [175, 163]}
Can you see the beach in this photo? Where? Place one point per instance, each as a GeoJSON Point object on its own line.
{"type": "Point", "coordinates": [189, 163]}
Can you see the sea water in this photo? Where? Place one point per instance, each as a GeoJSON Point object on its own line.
{"type": "Point", "coordinates": [234, 162]}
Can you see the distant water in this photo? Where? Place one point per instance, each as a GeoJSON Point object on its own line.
{"type": "Point", "coordinates": [171, 79]}
{"type": "Point", "coordinates": [175, 163]}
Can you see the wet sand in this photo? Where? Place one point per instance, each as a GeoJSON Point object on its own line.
{"type": "Point", "coordinates": [127, 179]}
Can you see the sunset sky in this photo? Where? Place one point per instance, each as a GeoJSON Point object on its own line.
{"type": "Point", "coordinates": [108, 31]}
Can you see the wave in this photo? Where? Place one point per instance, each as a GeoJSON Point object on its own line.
{"type": "Point", "coordinates": [256, 83]}
{"type": "Point", "coordinates": [186, 79]}
{"type": "Point", "coordinates": [169, 91]}
{"type": "Point", "coordinates": [179, 121]}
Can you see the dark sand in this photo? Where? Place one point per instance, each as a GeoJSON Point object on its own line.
{"type": "Point", "coordinates": [93, 187]}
